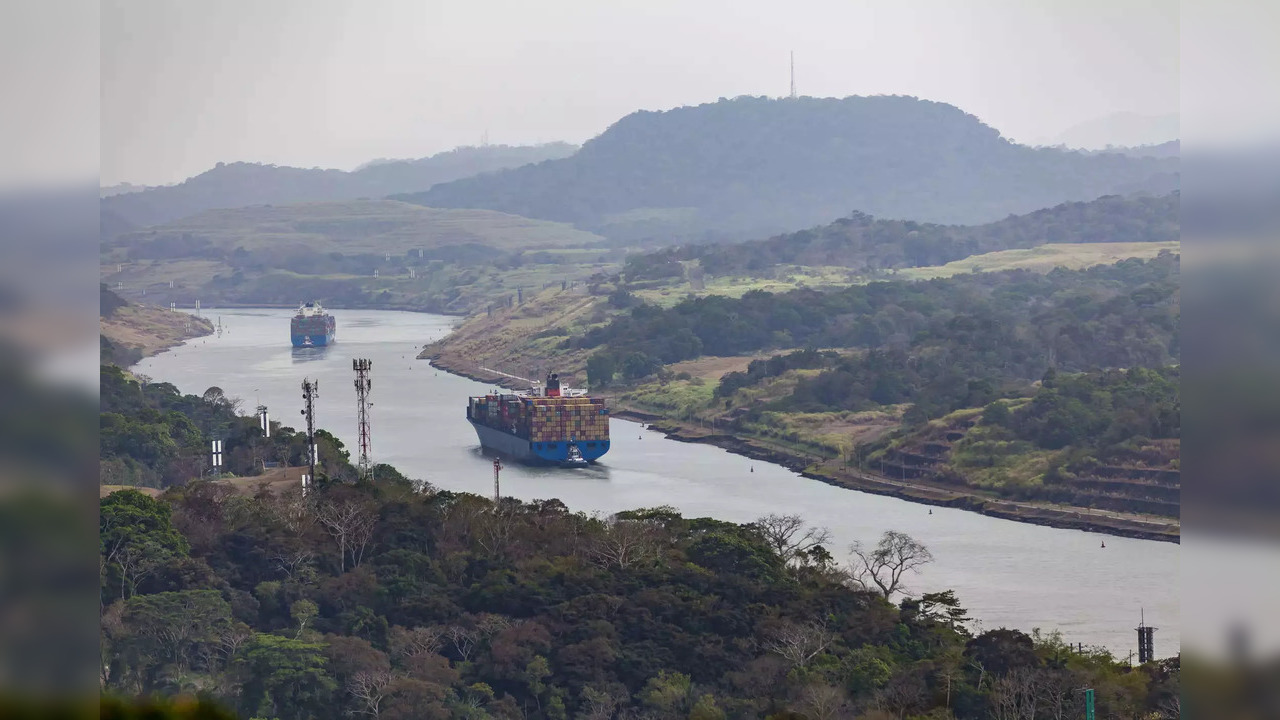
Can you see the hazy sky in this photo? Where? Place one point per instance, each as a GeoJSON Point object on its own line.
{"type": "Point", "coordinates": [334, 83]}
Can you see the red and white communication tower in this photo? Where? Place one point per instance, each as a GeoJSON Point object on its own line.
{"type": "Point", "coordinates": [363, 386]}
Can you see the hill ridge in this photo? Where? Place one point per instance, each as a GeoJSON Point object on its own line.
{"type": "Point", "coordinates": [230, 185]}
{"type": "Point", "coordinates": [755, 166]}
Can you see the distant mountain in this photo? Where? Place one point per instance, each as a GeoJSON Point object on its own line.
{"type": "Point", "coordinates": [751, 167]}
{"type": "Point", "coordinates": [865, 243]}
{"type": "Point", "coordinates": [1121, 130]}
{"type": "Point", "coordinates": [232, 185]}
{"type": "Point", "coordinates": [121, 189]}
{"type": "Point", "coordinates": [1170, 149]}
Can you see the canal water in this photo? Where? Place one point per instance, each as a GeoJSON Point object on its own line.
{"type": "Point", "coordinates": [1007, 574]}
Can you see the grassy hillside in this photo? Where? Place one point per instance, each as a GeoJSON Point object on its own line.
{"type": "Point", "coordinates": [1073, 256]}
{"type": "Point", "coordinates": [239, 184]}
{"type": "Point", "coordinates": [867, 245]}
{"type": "Point", "coordinates": [358, 253]}
{"type": "Point", "coordinates": [131, 331]}
{"type": "Point", "coordinates": [750, 167]}
{"type": "Point", "coordinates": [351, 227]}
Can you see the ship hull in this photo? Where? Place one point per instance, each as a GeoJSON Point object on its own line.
{"type": "Point", "coordinates": [301, 340]}
{"type": "Point", "coordinates": [544, 453]}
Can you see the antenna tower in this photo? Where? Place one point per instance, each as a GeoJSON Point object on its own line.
{"type": "Point", "coordinates": [310, 389]}
{"type": "Point", "coordinates": [363, 386]}
{"type": "Point", "coordinates": [497, 467]}
{"type": "Point", "coordinates": [1146, 641]}
{"type": "Point", "coordinates": [793, 74]}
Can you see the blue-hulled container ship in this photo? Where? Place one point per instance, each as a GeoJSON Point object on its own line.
{"type": "Point", "coordinates": [312, 326]}
{"type": "Point", "coordinates": [543, 426]}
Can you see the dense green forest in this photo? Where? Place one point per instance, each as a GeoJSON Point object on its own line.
{"type": "Point", "coordinates": [240, 184]}
{"type": "Point", "coordinates": [864, 243]}
{"type": "Point", "coordinates": [940, 344]}
{"type": "Point", "coordinates": [751, 167]}
{"type": "Point", "coordinates": [396, 600]}
{"type": "Point", "coordinates": [1099, 411]}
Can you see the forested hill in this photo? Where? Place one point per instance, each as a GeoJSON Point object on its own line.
{"type": "Point", "coordinates": [930, 343]}
{"type": "Point", "coordinates": [240, 184]}
{"type": "Point", "coordinates": [750, 167]}
{"type": "Point", "coordinates": [862, 242]}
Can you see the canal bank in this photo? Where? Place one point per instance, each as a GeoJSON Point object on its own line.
{"type": "Point", "coordinates": [834, 473]}
{"type": "Point", "coordinates": [1009, 574]}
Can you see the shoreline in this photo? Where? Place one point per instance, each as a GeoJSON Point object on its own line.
{"type": "Point", "coordinates": [1062, 517]}
{"type": "Point", "coordinates": [281, 306]}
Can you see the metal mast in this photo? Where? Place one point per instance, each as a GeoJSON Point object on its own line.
{"type": "Point", "coordinates": [310, 389]}
{"type": "Point", "coordinates": [793, 74]}
{"type": "Point", "coordinates": [497, 467]}
{"type": "Point", "coordinates": [1146, 641]}
{"type": "Point", "coordinates": [363, 386]}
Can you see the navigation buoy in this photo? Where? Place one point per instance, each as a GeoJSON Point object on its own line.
{"type": "Point", "coordinates": [930, 511]}
{"type": "Point", "coordinates": [753, 468]}
{"type": "Point", "coordinates": [1104, 543]}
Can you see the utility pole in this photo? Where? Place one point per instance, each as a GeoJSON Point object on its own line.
{"type": "Point", "coordinates": [310, 389]}
{"type": "Point", "coordinates": [497, 467]}
{"type": "Point", "coordinates": [363, 386]}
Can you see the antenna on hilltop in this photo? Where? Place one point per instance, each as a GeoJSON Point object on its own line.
{"type": "Point", "coordinates": [793, 74]}
{"type": "Point", "coordinates": [363, 386]}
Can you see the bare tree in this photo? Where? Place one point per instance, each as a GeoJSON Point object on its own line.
{"type": "Point", "coordinates": [789, 537]}
{"type": "Point", "coordinates": [464, 640]}
{"type": "Point", "coordinates": [287, 507]}
{"type": "Point", "coordinates": [825, 702]}
{"type": "Point", "coordinates": [350, 523]}
{"type": "Point", "coordinates": [232, 637]}
{"type": "Point", "coordinates": [1170, 708]}
{"type": "Point", "coordinates": [490, 624]}
{"type": "Point", "coordinates": [370, 688]}
{"type": "Point", "coordinates": [1015, 695]}
{"type": "Point", "coordinates": [624, 543]}
{"type": "Point", "coordinates": [495, 531]}
{"type": "Point", "coordinates": [885, 564]}
{"type": "Point", "coordinates": [598, 704]}
{"type": "Point", "coordinates": [1058, 694]}
{"type": "Point", "coordinates": [799, 644]}
{"type": "Point", "coordinates": [904, 693]}
{"type": "Point", "coordinates": [292, 562]}
{"type": "Point", "coordinates": [417, 641]}
{"type": "Point", "coordinates": [136, 561]}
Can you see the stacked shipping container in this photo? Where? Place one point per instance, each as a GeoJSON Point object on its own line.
{"type": "Point", "coordinates": [543, 419]}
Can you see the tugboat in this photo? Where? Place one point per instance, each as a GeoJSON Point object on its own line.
{"type": "Point", "coordinates": [312, 326]}
{"type": "Point", "coordinates": [544, 426]}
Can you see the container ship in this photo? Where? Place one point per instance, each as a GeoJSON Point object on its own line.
{"type": "Point", "coordinates": [543, 426]}
{"type": "Point", "coordinates": [312, 326]}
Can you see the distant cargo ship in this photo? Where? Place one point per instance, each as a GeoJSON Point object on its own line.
{"type": "Point", "coordinates": [312, 326]}
{"type": "Point", "coordinates": [543, 426]}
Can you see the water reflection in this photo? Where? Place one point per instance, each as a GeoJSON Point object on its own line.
{"type": "Point", "coordinates": [310, 354]}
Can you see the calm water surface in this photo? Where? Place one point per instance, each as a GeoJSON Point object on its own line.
{"type": "Point", "coordinates": [1008, 574]}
